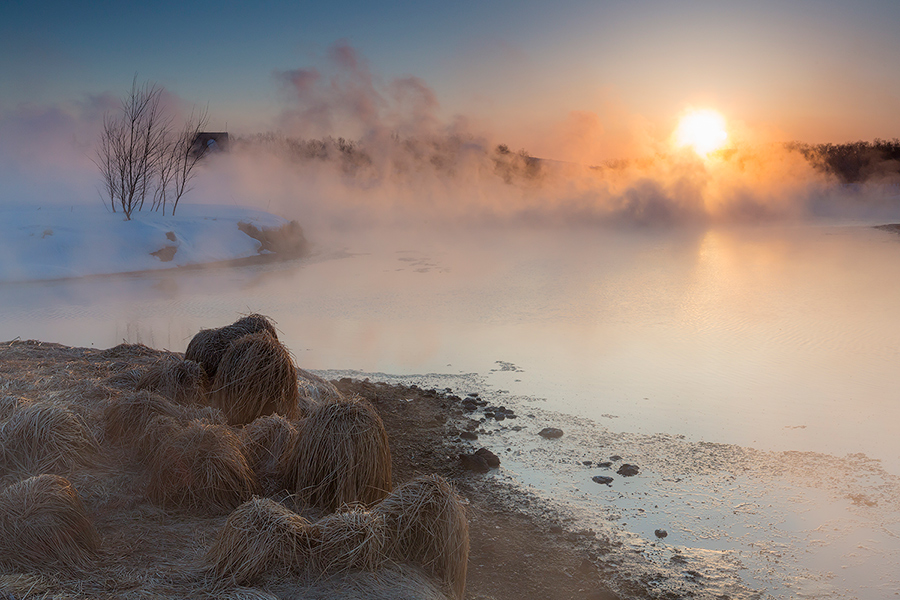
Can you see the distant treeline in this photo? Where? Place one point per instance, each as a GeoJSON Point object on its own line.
{"type": "Point", "coordinates": [399, 156]}
{"type": "Point", "coordinates": [854, 162]}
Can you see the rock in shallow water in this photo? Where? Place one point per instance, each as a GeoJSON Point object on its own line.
{"type": "Point", "coordinates": [627, 470]}
{"type": "Point", "coordinates": [550, 433]}
{"type": "Point", "coordinates": [602, 479]}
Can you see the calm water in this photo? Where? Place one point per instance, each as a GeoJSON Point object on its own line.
{"type": "Point", "coordinates": [775, 338]}
{"type": "Point", "coordinates": [764, 340]}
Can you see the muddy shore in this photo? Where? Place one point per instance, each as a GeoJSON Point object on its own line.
{"type": "Point", "coordinates": [516, 551]}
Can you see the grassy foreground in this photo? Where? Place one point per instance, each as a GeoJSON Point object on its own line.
{"type": "Point", "coordinates": [102, 496]}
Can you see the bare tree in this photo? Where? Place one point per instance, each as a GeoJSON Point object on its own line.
{"type": "Point", "coordinates": [177, 162]}
{"type": "Point", "coordinates": [129, 151]}
{"type": "Point", "coordinates": [141, 155]}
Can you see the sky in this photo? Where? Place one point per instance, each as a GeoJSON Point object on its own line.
{"type": "Point", "coordinates": [813, 71]}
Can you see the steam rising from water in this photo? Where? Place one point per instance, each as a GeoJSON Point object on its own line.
{"type": "Point", "coordinates": [356, 151]}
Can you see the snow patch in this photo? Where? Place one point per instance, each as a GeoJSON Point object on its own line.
{"type": "Point", "coordinates": [39, 243]}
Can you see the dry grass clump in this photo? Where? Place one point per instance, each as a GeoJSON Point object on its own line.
{"type": "Point", "coordinates": [128, 418]}
{"type": "Point", "coordinates": [208, 346]}
{"type": "Point", "coordinates": [44, 437]}
{"type": "Point", "coordinates": [42, 520]}
{"type": "Point", "coordinates": [341, 456]}
{"type": "Point", "coordinates": [260, 536]}
{"type": "Point", "coordinates": [422, 523]}
{"type": "Point", "coordinates": [181, 381]}
{"type": "Point", "coordinates": [256, 377]}
{"type": "Point", "coordinates": [198, 466]}
{"type": "Point", "coordinates": [10, 404]}
{"type": "Point", "coordinates": [126, 379]}
{"type": "Point", "coordinates": [427, 524]}
{"type": "Point", "coordinates": [254, 323]}
{"type": "Point", "coordinates": [266, 440]}
{"type": "Point", "coordinates": [346, 541]}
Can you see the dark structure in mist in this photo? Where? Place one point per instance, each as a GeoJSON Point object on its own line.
{"type": "Point", "coordinates": [210, 141]}
{"type": "Point", "coordinates": [855, 162]}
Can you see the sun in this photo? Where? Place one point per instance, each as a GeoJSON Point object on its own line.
{"type": "Point", "coordinates": [702, 130]}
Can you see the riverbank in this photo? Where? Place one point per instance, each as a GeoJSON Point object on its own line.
{"type": "Point", "coordinates": [54, 243]}
{"type": "Point", "coordinates": [144, 548]}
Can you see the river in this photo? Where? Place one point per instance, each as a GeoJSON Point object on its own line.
{"type": "Point", "coordinates": [768, 342]}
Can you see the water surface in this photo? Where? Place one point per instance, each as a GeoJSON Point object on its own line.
{"type": "Point", "coordinates": [752, 373]}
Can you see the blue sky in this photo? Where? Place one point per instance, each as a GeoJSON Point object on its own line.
{"type": "Point", "coordinates": [816, 71]}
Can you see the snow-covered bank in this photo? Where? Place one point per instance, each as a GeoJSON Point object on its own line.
{"type": "Point", "coordinates": [39, 243]}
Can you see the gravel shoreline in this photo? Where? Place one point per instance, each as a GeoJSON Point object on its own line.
{"type": "Point", "coordinates": [516, 552]}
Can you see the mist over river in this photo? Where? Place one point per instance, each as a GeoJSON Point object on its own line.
{"type": "Point", "coordinates": [779, 338]}
{"type": "Point", "coordinates": [765, 339]}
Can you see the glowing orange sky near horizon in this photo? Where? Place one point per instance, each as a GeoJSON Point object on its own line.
{"type": "Point", "coordinates": [525, 73]}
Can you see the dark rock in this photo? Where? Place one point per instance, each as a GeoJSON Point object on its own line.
{"type": "Point", "coordinates": [615, 457]}
{"type": "Point", "coordinates": [550, 433]}
{"type": "Point", "coordinates": [587, 463]}
{"type": "Point", "coordinates": [627, 470]}
{"type": "Point", "coordinates": [602, 479]}
{"type": "Point", "coordinates": [604, 465]}
{"type": "Point", "coordinates": [661, 533]}
{"type": "Point", "coordinates": [492, 459]}
{"type": "Point", "coordinates": [511, 416]}
{"type": "Point", "coordinates": [488, 414]}
{"type": "Point", "coordinates": [468, 435]}
{"type": "Point", "coordinates": [473, 462]}
{"type": "Point", "coordinates": [500, 416]}
{"type": "Point", "coordinates": [473, 394]}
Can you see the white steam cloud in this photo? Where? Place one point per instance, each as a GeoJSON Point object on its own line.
{"type": "Point", "coordinates": [351, 150]}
